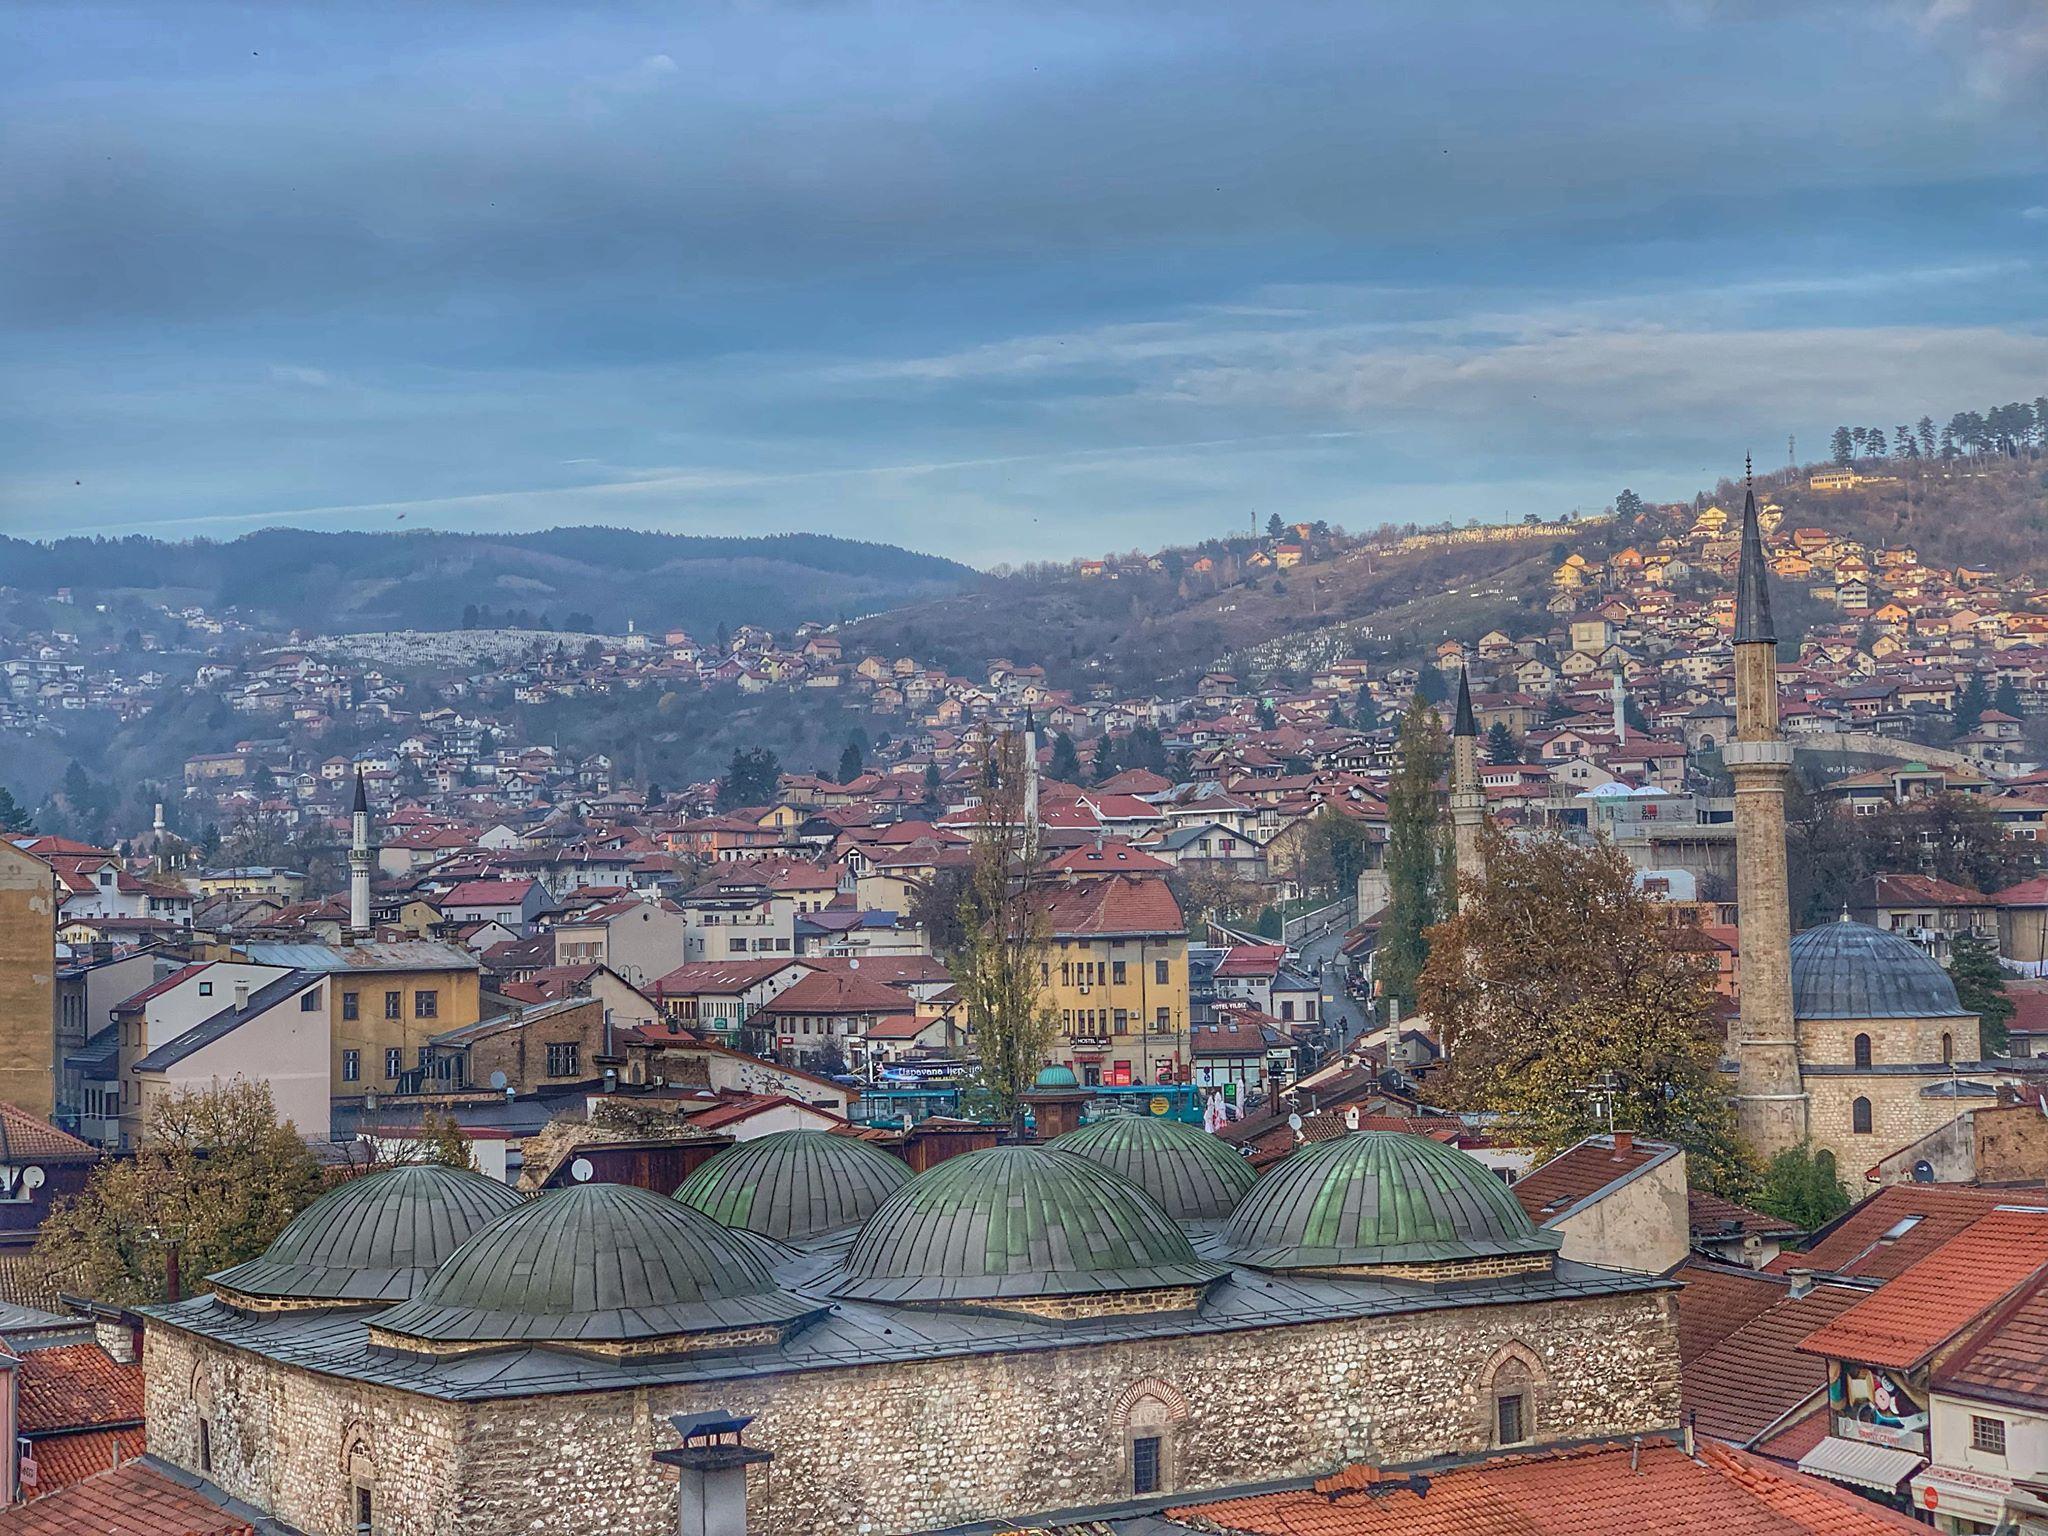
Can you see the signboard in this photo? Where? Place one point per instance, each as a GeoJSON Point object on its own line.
{"type": "Point", "coordinates": [1160, 1104]}
{"type": "Point", "coordinates": [1882, 1434]}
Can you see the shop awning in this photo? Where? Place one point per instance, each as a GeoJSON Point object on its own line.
{"type": "Point", "coordinates": [1878, 1467]}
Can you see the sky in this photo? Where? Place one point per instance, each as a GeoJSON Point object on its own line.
{"type": "Point", "coordinates": [999, 281]}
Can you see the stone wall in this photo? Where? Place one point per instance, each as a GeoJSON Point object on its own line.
{"type": "Point", "coordinates": [28, 982]}
{"type": "Point", "coordinates": [1893, 1042]}
{"type": "Point", "coordinates": [1899, 1115]}
{"type": "Point", "coordinates": [924, 1445]}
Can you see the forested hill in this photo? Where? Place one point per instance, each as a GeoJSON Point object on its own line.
{"type": "Point", "coordinates": [332, 582]}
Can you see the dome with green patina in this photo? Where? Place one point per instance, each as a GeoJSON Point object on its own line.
{"type": "Point", "coordinates": [594, 1264]}
{"type": "Point", "coordinates": [1192, 1175]}
{"type": "Point", "coordinates": [794, 1185]}
{"type": "Point", "coordinates": [1378, 1198]}
{"type": "Point", "coordinates": [374, 1239]}
{"type": "Point", "coordinates": [1055, 1079]}
{"type": "Point", "coordinates": [1017, 1222]}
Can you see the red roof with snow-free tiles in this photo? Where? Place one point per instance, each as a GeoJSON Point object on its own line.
{"type": "Point", "coordinates": [62, 1460]}
{"type": "Point", "coordinates": [77, 1386]}
{"type": "Point", "coordinates": [488, 893]}
{"type": "Point", "coordinates": [1717, 1300]}
{"type": "Point", "coordinates": [1252, 960]}
{"type": "Point", "coordinates": [1579, 1171]}
{"type": "Point", "coordinates": [1654, 1489]}
{"type": "Point", "coordinates": [133, 1499]}
{"type": "Point", "coordinates": [1867, 1243]}
{"type": "Point", "coordinates": [1115, 904]}
{"type": "Point", "coordinates": [833, 992]}
{"type": "Point", "coordinates": [1757, 1375]}
{"type": "Point", "coordinates": [1911, 1317]}
{"type": "Point", "coordinates": [1110, 857]}
{"type": "Point", "coordinates": [2008, 1360]}
{"type": "Point", "coordinates": [24, 1138]}
{"type": "Point", "coordinates": [697, 977]}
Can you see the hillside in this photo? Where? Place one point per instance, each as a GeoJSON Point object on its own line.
{"type": "Point", "coordinates": [330, 582]}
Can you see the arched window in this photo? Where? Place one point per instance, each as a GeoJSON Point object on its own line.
{"type": "Point", "coordinates": [1511, 1391]}
{"type": "Point", "coordinates": [1948, 1046]}
{"type": "Point", "coordinates": [1859, 1117]}
{"type": "Point", "coordinates": [1863, 1050]}
{"type": "Point", "coordinates": [1148, 1414]}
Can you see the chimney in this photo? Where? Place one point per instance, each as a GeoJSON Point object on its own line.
{"type": "Point", "coordinates": [711, 1496]}
{"type": "Point", "coordinates": [1624, 1141]}
{"type": "Point", "coordinates": [1802, 1283]}
{"type": "Point", "coordinates": [241, 995]}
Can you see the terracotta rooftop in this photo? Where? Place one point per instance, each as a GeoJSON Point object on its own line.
{"type": "Point", "coordinates": [1580, 1171]}
{"type": "Point", "coordinates": [25, 1139]}
{"type": "Point", "coordinates": [833, 992]}
{"type": "Point", "coordinates": [134, 1499]}
{"type": "Point", "coordinates": [62, 1460]}
{"type": "Point", "coordinates": [1911, 1317]}
{"type": "Point", "coordinates": [1600, 1490]}
{"type": "Point", "coordinates": [1117, 904]}
{"type": "Point", "coordinates": [1708, 1215]}
{"type": "Point", "coordinates": [2008, 1361]}
{"type": "Point", "coordinates": [1756, 1379]}
{"type": "Point", "coordinates": [1717, 1300]}
{"type": "Point", "coordinates": [1892, 1231]}
{"type": "Point", "coordinates": [77, 1386]}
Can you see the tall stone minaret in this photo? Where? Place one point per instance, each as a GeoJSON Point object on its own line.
{"type": "Point", "coordinates": [1770, 1100]}
{"type": "Point", "coordinates": [360, 856]}
{"type": "Point", "coordinates": [1619, 699]}
{"type": "Point", "coordinates": [1468, 800]}
{"type": "Point", "coordinates": [1030, 783]}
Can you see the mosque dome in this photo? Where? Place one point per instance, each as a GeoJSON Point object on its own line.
{"type": "Point", "coordinates": [1011, 1223]}
{"type": "Point", "coordinates": [374, 1239]}
{"type": "Point", "coordinates": [1192, 1175]}
{"type": "Point", "coordinates": [1846, 970]}
{"type": "Point", "coordinates": [794, 1185]}
{"type": "Point", "coordinates": [593, 1264]}
{"type": "Point", "coordinates": [1379, 1198]}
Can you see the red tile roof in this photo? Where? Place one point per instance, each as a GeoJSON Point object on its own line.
{"type": "Point", "coordinates": [1110, 857]}
{"type": "Point", "coordinates": [1252, 960]}
{"type": "Point", "coordinates": [1601, 1490]}
{"type": "Point", "coordinates": [1708, 1215]}
{"type": "Point", "coordinates": [1579, 1171]}
{"type": "Point", "coordinates": [2008, 1360]}
{"type": "Point", "coordinates": [718, 977]}
{"type": "Point", "coordinates": [1717, 1300]}
{"type": "Point", "coordinates": [25, 1139]}
{"type": "Point", "coordinates": [837, 992]}
{"type": "Point", "coordinates": [1925, 891]}
{"type": "Point", "coordinates": [62, 1460]}
{"type": "Point", "coordinates": [1911, 1317]}
{"type": "Point", "coordinates": [1755, 1377]}
{"type": "Point", "coordinates": [1864, 1244]}
{"type": "Point", "coordinates": [77, 1386]}
{"type": "Point", "coordinates": [1118, 904]}
{"type": "Point", "coordinates": [488, 893]}
{"type": "Point", "coordinates": [133, 1499]}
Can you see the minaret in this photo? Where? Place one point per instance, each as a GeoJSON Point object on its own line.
{"type": "Point", "coordinates": [1620, 701]}
{"type": "Point", "coordinates": [1770, 1100]}
{"type": "Point", "coordinates": [1468, 800]}
{"type": "Point", "coordinates": [1030, 784]}
{"type": "Point", "coordinates": [360, 857]}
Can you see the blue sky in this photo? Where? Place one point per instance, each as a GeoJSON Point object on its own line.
{"type": "Point", "coordinates": [1001, 282]}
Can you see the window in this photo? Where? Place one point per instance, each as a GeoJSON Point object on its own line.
{"type": "Point", "coordinates": [351, 1005]}
{"type": "Point", "coordinates": [1160, 972]}
{"type": "Point", "coordinates": [351, 1066]}
{"type": "Point", "coordinates": [205, 1446]}
{"type": "Point", "coordinates": [1987, 1435]}
{"type": "Point", "coordinates": [1509, 1424]}
{"type": "Point", "coordinates": [309, 1001]}
{"type": "Point", "coordinates": [363, 1521]}
{"type": "Point", "coordinates": [1863, 1050]}
{"type": "Point", "coordinates": [1145, 1464]}
{"type": "Point", "coordinates": [1948, 1046]}
{"type": "Point", "coordinates": [394, 1062]}
{"type": "Point", "coordinates": [1119, 972]}
{"type": "Point", "coordinates": [1162, 1022]}
{"type": "Point", "coordinates": [426, 1004]}
{"type": "Point", "coordinates": [206, 989]}
{"type": "Point", "coordinates": [562, 1058]}
{"type": "Point", "coordinates": [1859, 1117]}
{"type": "Point", "coordinates": [392, 1001]}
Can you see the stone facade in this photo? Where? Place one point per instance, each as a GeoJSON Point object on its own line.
{"type": "Point", "coordinates": [1900, 1114]}
{"type": "Point", "coordinates": [28, 982]}
{"type": "Point", "coordinates": [922, 1444]}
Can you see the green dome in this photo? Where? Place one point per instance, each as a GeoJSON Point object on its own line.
{"type": "Point", "coordinates": [1379, 1197]}
{"type": "Point", "coordinates": [593, 1264]}
{"type": "Point", "coordinates": [794, 1185]}
{"type": "Point", "coordinates": [1055, 1077]}
{"type": "Point", "coordinates": [1192, 1175]}
{"type": "Point", "coordinates": [1012, 1222]}
{"type": "Point", "coordinates": [376, 1238]}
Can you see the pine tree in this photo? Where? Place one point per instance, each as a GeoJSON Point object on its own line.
{"type": "Point", "coordinates": [1367, 715]}
{"type": "Point", "coordinates": [1274, 527]}
{"type": "Point", "coordinates": [1066, 762]}
{"type": "Point", "coordinates": [1416, 851]}
{"type": "Point", "coordinates": [849, 763]}
{"type": "Point", "coordinates": [1971, 704]}
{"type": "Point", "coordinates": [2007, 699]}
{"type": "Point", "coordinates": [1500, 744]}
{"type": "Point", "coordinates": [1842, 446]}
{"type": "Point", "coordinates": [1336, 714]}
{"type": "Point", "coordinates": [1980, 988]}
{"type": "Point", "coordinates": [1925, 429]}
{"type": "Point", "coordinates": [12, 817]}
{"type": "Point", "coordinates": [931, 783]}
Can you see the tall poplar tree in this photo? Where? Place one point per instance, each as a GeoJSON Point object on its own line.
{"type": "Point", "coordinates": [1417, 850]}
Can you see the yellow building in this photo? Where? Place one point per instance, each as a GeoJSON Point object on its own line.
{"type": "Point", "coordinates": [288, 885]}
{"type": "Point", "coordinates": [1118, 974]}
{"type": "Point", "coordinates": [386, 1001]}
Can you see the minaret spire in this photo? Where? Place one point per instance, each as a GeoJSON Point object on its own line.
{"type": "Point", "coordinates": [1030, 784]}
{"type": "Point", "coordinates": [1468, 799]}
{"type": "Point", "coordinates": [360, 856]}
{"type": "Point", "coordinates": [1771, 1102]}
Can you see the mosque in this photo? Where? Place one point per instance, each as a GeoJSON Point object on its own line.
{"type": "Point", "coordinates": [1124, 1311]}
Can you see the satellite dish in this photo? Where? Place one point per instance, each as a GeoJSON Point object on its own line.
{"type": "Point", "coordinates": [1294, 1122]}
{"type": "Point", "coordinates": [31, 1178]}
{"type": "Point", "coordinates": [581, 1171]}
{"type": "Point", "coordinates": [1923, 1172]}
{"type": "Point", "coordinates": [498, 1079]}
{"type": "Point", "coordinates": [853, 965]}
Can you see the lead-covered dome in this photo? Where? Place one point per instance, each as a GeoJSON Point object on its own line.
{"type": "Point", "coordinates": [1192, 1175]}
{"type": "Point", "coordinates": [1846, 970]}
{"type": "Point", "coordinates": [1010, 1223]}
{"type": "Point", "coordinates": [1381, 1199]}
{"type": "Point", "coordinates": [593, 1264]}
{"type": "Point", "coordinates": [374, 1239]}
{"type": "Point", "coordinates": [794, 1185]}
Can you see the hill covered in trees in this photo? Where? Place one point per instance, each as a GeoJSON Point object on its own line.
{"type": "Point", "coordinates": [335, 582]}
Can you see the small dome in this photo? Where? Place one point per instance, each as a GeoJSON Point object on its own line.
{"type": "Point", "coordinates": [1848, 970]}
{"type": "Point", "coordinates": [374, 1239]}
{"type": "Point", "coordinates": [1192, 1175]}
{"type": "Point", "coordinates": [1055, 1078]}
{"type": "Point", "coordinates": [794, 1185]}
{"type": "Point", "coordinates": [1010, 1222]}
{"type": "Point", "coordinates": [594, 1264]}
{"type": "Point", "coordinates": [1379, 1197]}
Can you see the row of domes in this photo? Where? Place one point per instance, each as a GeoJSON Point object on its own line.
{"type": "Point", "coordinates": [459, 1260]}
